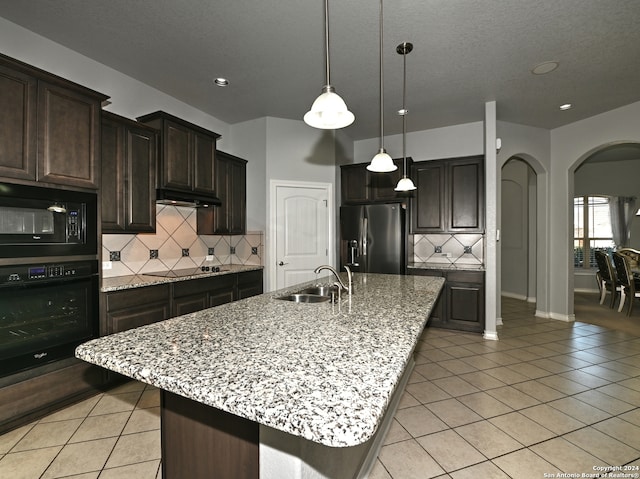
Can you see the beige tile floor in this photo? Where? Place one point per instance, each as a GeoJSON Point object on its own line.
{"type": "Point", "coordinates": [547, 398]}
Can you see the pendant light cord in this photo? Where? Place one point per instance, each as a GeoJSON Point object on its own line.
{"type": "Point", "coordinates": [381, 83]}
{"type": "Point", "coordinates": [404, 113]}
{"type": "Point", "coordinates": [326, 39]}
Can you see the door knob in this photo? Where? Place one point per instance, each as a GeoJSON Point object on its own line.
{"type": "Point", "coordinates": [281, 263]}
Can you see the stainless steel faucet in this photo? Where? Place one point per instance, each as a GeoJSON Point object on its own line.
{"type": "Point", "coordinates": [349, 286]}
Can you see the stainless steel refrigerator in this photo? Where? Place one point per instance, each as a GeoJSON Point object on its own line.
{"type": "Point", "coordinates": [372, 238]}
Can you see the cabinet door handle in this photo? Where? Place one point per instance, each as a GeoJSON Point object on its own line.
{"type": "Point", "coordinates": [281, 263]}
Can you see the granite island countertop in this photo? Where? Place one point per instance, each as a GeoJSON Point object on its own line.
{"type": "Point", "coordinates": [322, 371]}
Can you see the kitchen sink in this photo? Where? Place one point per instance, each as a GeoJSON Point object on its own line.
{"type": "Point", "coordinates": [322, 290]}
{"type": "Point", "coordinates": [304, 298]}
{"type": "Point", "coordinates": [312, 294]}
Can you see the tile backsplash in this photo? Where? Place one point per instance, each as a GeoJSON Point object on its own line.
{"type": "Point", "coordinates": [176, 245]}
{"type": "Point", "coordinates": [447, 248]}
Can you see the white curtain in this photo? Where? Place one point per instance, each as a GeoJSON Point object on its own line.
{"type": "Point", "coordinates": [622, 209]}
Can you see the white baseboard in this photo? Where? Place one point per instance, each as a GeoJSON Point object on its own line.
{"type": "Point", "coordinates": [499, 321]}
{"type": "Point", "coordinates": [568, 318]}
{"type": "Point", "coordinates": [507, 294]}
{"type": "Point", "coordinates": [542, 314]}
{"type": "Point", "coordinates": [531, 299]}
{"type": "Point", "coordinates": [586, 290]}
{"type": "Point", "coordinates": [490, 335]}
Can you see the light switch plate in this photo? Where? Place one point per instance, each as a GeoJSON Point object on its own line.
{"type": "Point", "coordinates": [209, 257]}
{"type": "Point", "coordinates": [107, 265]}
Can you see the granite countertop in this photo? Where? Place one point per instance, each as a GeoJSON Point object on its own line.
{"type": "Point", "coordinates": [139, 280]}
{"type": "Point", "coordinates": [321, 371]}
{"type": "Point", "coordinates": [447, 266]}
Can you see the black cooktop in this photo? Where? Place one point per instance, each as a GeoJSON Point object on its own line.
{"type": "Point", "coordinates": [181, 273]}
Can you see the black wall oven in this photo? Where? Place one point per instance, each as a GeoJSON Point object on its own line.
{"type": "Point", "coordinates": [36, 221]}
{"type": "Point", "coordinates": [46, 310]}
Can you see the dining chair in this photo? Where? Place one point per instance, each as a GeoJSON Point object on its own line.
{"type": "Point", "coordinates": [632, 254]}
{"type": "Point", "coordinates": [607, 279]}
{"type": "Point", "coordinates": [630, 285]}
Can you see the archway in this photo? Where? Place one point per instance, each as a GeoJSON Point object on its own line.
{"type": "Point", "coordinates": [518, 240]}
{"type": "Point", "coordinates": [525, 222]}
{"type": "Point", "coordinates": [610, 169]}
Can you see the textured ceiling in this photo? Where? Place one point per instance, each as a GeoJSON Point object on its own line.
{"type": "Point", "coordinates": [466, 52]}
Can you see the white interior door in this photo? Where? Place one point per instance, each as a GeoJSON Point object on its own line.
{"type": "Point", "coordinates": [302, 231]}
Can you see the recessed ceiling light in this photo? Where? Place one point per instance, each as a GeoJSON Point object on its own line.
{"type": "Point", "coordinates": [544, 68]}
{"type": "Point", "coordinates": [221, 81]}
{"type": "Point", "coordinates": [566, 106]}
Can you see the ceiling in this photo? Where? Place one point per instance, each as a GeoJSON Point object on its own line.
{"type": "Point", "coordinates": [466, 52]}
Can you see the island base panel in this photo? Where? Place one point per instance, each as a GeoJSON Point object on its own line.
{"type": "Point", "coordinates": [199, 441]}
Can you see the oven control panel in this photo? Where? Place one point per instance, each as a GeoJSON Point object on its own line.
{"type": "Point", "coordinates": [16, 274]}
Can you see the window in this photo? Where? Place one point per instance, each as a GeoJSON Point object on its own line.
{"type": "Point", "coordinates": [591, 229]}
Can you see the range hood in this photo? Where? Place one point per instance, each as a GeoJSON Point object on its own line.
{"type": "Point", "coordinates": [166, 196]}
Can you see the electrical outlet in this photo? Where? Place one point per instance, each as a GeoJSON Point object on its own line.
{"type": "Point", "coordinates": [208, 257]}
{"type": "Point", "coordinates": [445, 255]}
{"type": "Point", "coordinates": [438, 249]}
{"type": "Point", "coordinates": [114, 255]}
{"type": "Point", "coordinates": [210, 251]}
{"type": "Point", "coordinates": [185, 251]}
{"type": "Point", "coordinates": [107, 265]}
{"type": "Point", "coordinates": [232, 250]}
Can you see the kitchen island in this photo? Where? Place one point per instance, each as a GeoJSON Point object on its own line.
{"type": "Point", "coordinates": [269, 388]}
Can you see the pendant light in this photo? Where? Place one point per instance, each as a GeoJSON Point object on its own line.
{"type": "Point", "coordinates": [329, 111]}
{"type": "Point", "coordinates": [382, 162]}
{"type": "Point", "coordinates": [405, 183]}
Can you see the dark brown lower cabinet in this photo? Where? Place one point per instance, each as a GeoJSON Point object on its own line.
{"type": "Point", "coordinates": [461, 302]}
{"type": "Point", "coordinates": [201, 442]}
{"type": "Point", "coordinates": [249, 284]}
{"type": "Point", "coordinates": [198, 294]}
{"type": "Point", "coordinates": [132, 308]}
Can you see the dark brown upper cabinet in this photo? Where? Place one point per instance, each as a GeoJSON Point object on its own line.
{"type": "Point", "coordinates": [49, 127]}
{"type": "Point", "coordinates": [450, 196]}
{"type": "Point", "coordinates": [128, 186]}
{"type": "Point", "coordinates": [186, 155]}
{"type": "Point", "coordinates": [359, 185]}
{"type": "Point", "coordinates": [231, 189]}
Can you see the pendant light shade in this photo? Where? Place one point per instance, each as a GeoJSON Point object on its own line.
{"type": "Point", "coordinates": [405, 183]}
{"type": "Point", "coordinates": [329, 111]}
{"type": "Point", "coordinates": [382, 162]}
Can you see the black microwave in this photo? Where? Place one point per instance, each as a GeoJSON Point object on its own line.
{"type": "Point", "coordinates": [37, 221]}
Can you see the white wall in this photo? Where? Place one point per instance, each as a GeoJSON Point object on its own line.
{"type": "Point", "coordinates": [570, 145]}
{"type": "Point", "coordinates": [248, 140]}
{"type": "Point", "coordinates": [296, 151]}
{"type": "Point", "coordinates": [447, 142]}
{"type": "Point", "coordinates": [515, 229]}
{"type": "Point", "coordinates": [533, 145]}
